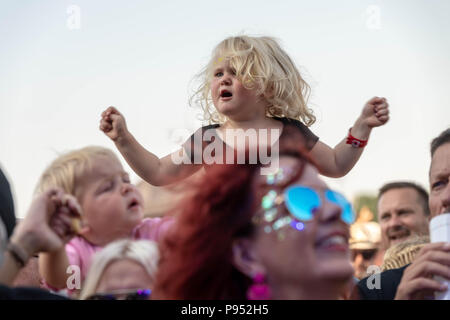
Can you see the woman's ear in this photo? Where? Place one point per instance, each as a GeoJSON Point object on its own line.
{"type": "Point", "coordinates": [245, 257]}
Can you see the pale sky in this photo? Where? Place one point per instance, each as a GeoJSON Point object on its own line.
{"type": "Point", "coordinates": [63, 62]}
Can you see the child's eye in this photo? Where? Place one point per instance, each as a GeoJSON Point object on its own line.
{"type": "Point", "coordinates": [107, 187]}
{"type": "Point", "coordinates": [218, 74]}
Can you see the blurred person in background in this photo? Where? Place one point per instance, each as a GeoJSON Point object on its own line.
{"type": "Point", "coordinates": [123, 270]}
{"type": "Point", "coordinates": [365, 239]}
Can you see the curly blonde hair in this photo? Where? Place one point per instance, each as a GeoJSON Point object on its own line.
{"type": "Point", "coordinates": [403, 253]}
{"type": "Point", "coordinates": [260, 63]}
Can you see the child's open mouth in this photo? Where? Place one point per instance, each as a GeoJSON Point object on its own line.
{"type": "Point", "coordinates": [134, 204]}
{"type": "Point", "coordinates": [225, 95]}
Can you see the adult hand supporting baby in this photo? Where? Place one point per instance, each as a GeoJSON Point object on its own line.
{"type": "Point", "coordinates": [46, 228]}
{"type": "Point", "coordinates": [48, 224]}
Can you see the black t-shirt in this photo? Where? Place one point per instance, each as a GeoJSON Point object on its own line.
{"type": "Point", "coordinates": [6, 205]}
{"type": "Point", "coordinates": [204, 137]}
{"type": "Point", "coordinates": [389, 282]}
{"type": "Point", "coordinates": [24, 293]}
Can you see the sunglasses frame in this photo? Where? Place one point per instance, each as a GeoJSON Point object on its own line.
{"type": "Point", "coordinates": [141, 294]}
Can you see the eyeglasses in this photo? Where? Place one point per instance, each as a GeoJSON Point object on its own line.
{"type": "Point", "coordinates": [367, 254]}
{"type": "Point", "coordinates": [135, 294]}
{"type": "Point", "coordinates": [302, 203]}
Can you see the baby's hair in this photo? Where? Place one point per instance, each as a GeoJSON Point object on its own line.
{"type": "Point", "coordinates": [403, 253]}
{"type": "Point", "coordinates": [260, 63]}
{"type": "Point", "coordinates": [66, 169]}
{"type": "Point", "coordinates": [144, 252]}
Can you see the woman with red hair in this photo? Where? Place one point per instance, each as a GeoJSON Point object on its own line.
{"type": "Point", "coordinates": [243, 235]}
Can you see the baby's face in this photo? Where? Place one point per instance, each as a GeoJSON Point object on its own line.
{"type": "Point", "coordinates": [111, 206]}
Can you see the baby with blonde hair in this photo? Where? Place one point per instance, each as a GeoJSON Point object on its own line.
{"type": "Point", "coordinates": [125, 268]}
{"type": "Point", "coordinates": [111, 209]}
{"type": "Point", "coordinates": [250, 85]}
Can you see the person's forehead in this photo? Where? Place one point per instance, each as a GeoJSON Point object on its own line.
{"type": "Point", "coordinates": [290, 165]}
{"type": "Point", "coordinates": [440, 163]}
{"type": "Point", "coordinates": [399, 197]}
{"type": "Point", "coordinates": [221, 62]}
{"type": "Point", "coordinates": [102, 167]}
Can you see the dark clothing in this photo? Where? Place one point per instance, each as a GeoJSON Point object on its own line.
{"type": "Point", "coordinates": [6, 205]}
{"type": "Point", "coordinates": [389, 281]}
{"type": "Point", "coordinates": [195, 146]}
{"type": "Point", "coordinates": [7, 293]}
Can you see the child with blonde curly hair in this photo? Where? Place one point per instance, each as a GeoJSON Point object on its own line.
{"type": "Point", "coordinates": [249, 84]}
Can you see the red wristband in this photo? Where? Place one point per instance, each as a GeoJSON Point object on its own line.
{"type": "Point", "coordinates": [356, 143]}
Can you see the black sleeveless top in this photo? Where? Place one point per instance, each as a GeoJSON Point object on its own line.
{"type": "Point", "coordinates": [200, 142]}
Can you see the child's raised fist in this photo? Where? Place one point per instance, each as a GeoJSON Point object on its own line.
{"type": "Point", "coordinates": [113, 123]}
{"type": "Point", "coordinates": [376, 112]}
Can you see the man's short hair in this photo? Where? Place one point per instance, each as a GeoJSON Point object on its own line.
{"type": "Point", "coordinates": [423, 194]}
{"type": "Point", "coordinates": [444, 137]}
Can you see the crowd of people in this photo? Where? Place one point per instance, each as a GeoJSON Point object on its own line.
{"type": "Point", "coordinates": [242, 227]}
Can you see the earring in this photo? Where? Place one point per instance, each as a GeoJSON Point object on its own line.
{"type": "Point", "coordinates": [259, 290]}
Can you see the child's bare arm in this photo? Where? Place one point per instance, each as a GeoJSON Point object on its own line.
{"type": "Point", "coordinates": [53, 268]}
{"type": "Point", "coordinates": [148, 166]}
{"type": "Point", "coordinates": [339, 161]}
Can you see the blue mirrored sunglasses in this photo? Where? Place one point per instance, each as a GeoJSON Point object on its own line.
{"type": "Point", "coordinates": [302, 202]}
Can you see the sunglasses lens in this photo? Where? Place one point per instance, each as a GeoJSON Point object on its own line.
{"type": "Point", "coordinates": [347, 214]}
{"type": "Point", "coordinates": [368, 254]}
{"type": "Point", "coordinates": [301, 202]}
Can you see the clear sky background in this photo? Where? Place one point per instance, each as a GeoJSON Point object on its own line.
{"type": "Point", "coordinates": [63, 62]}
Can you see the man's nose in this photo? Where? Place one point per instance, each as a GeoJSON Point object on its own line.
{"type": "Point", "coordinates": [394, 222]}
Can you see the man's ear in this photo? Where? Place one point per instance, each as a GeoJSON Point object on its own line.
{"type": "Point", "coordinates": [245, 257]}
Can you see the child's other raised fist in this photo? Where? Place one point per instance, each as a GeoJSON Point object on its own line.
{"type": "Point", "coordinates": [113, 123]}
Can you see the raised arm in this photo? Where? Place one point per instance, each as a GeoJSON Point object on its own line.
{"type": "Point", "coordinates": [339, 161]}
{"type": "Point", "coordinates": [148, 166]}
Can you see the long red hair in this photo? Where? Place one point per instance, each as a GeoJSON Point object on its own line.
{"type": "Point", "coordinates": [196, 255]}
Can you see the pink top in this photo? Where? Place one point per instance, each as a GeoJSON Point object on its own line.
{"type": "Point", "coordinates": [80, 251]}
